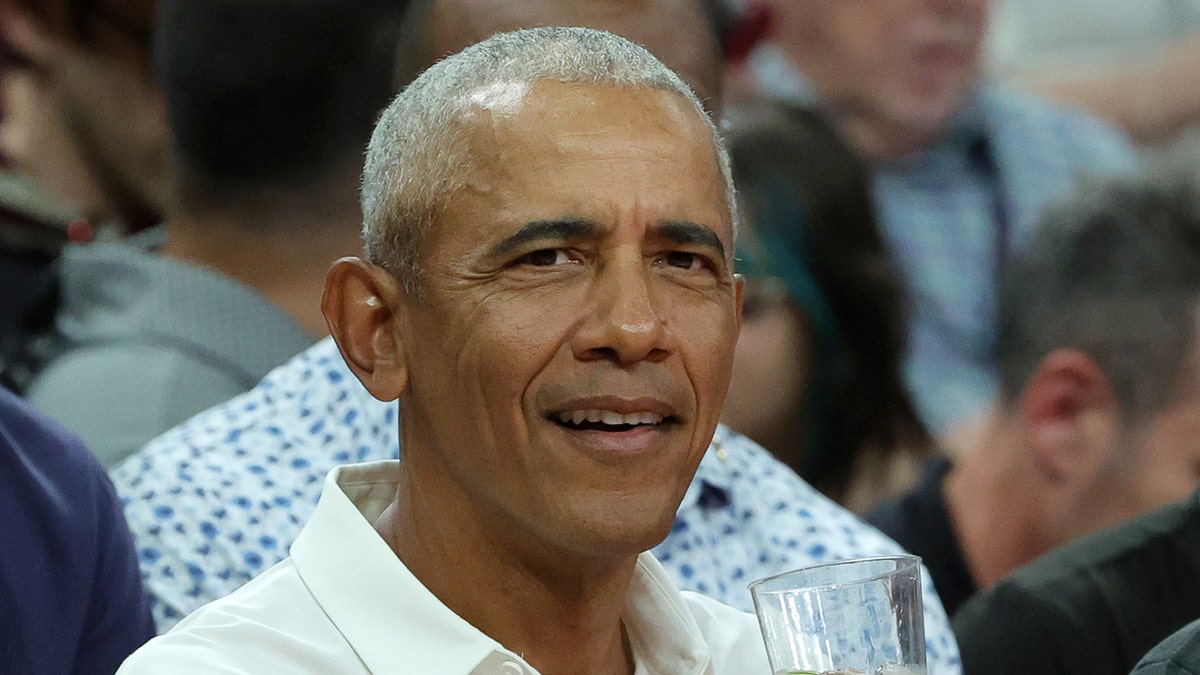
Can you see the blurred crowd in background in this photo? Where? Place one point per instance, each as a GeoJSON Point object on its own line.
{"type": "Point", "coordinates": [970, 233]}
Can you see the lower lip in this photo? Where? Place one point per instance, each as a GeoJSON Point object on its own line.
{"type": "Point", "coordinates": [636, 441]}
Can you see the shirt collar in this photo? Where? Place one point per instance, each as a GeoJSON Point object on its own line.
{"type": "Point", "coordinates": [371, 597]}
{"type": "Point", "coordinates": [662, 631]}
{"type": "Point", "coordinates": [387, 616]}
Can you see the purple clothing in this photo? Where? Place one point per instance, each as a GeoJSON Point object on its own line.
{"type": "Point", "coordinates": [71, 597]}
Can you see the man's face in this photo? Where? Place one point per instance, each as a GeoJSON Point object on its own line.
{"type": "Point", "coordinates": [567, 364]}
{"type": "Point", "coordinates": [911, 62]}
{"type": "Point", "coordinates": [97, 138]}
{"type": "Point", "coordinates": [35, 137]}
{"type": "Point", "coordinates": [677, 32]}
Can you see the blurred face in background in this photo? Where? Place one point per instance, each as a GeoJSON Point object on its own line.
{"type": "Point", "coordinates": [906, 64]}
{"type": "Point", "coordinates": [35, 140]}
{"type": "Point", "coordinates": [771, 367]}
{"type": "Point", "coordinates": [677, 32]}
{"type": "Point", "coordinates": [83, 122]}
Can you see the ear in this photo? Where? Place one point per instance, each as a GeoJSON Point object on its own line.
{"type": "Point", "coordinates": [362, 304]}
{"type": "Point", "coordinates": [1071, 419]}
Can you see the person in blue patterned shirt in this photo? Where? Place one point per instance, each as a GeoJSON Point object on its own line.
{"type": "Point", "coordinates": [219, 499]}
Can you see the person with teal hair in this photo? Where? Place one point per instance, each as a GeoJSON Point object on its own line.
{"type": "Point", "coordinates": [817, 375]}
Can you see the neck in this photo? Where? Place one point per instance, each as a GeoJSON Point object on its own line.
{"type": "Point", "coordinates": [560, 612]}
{"type": "Point", "coordinates": [992, 504]}
{"type": "Point", "coordinates": [285, 262]}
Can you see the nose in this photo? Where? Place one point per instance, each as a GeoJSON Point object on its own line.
{"type": "Point", "coordinates": [624, 321]}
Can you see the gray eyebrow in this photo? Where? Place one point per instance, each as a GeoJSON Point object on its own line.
{"type": "Point", "coordinates": [678, 231]}
{"type": "Point", "coordinates": [549, 230]}
{"type": "Point", "coordinates": [687, 232]}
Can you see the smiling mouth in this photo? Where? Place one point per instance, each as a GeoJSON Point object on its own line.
{"type": "Point", "coordinates": [608, 420]}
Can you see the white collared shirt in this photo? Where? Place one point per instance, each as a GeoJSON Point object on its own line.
{"type": "Point", "coordinates": [344, 603]}
{"type": "Point", "coordinates": [221, 498]}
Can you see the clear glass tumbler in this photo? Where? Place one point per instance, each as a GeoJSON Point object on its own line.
{"type": "Point", "coordinates": [855, 616]}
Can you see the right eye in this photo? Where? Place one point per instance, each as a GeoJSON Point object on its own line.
{"type": "Point", "coordinates": [547, 257]}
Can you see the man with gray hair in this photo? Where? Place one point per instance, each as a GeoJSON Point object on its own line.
{"type": "Point", "coordinates": [561, 353]}
{"type": "Point", "coordinates": [1099, 415]}
{"type": "Point", "coordinates": [221, 498]}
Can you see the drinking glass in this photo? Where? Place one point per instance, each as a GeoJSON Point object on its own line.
{"type": "Point", "coordinates": [855, 616]}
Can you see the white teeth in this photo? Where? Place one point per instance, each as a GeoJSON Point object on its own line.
{"type": "Point", "coordinates": [608, 417]}
{"type": "Point", "coordinates": [646, 418]}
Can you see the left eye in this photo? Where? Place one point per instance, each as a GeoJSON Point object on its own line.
{"type": "Point", "coordinates": [546, 257]}
{"type": "Point", "coordinates": [684, 260]}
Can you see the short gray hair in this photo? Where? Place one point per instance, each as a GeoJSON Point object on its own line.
{"type": "Point", "coordinates": [1113, 272]}
{"type": "Point", "coordinates": [419, 152]}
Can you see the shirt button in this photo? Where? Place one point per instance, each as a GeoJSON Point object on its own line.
{"type": "Point", "coordinates": [511, 668]}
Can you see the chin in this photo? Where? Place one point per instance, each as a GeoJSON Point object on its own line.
{"type": "Point", "coordinates": [927, 117]}
{"type": "Point", "coordinates": [626, 529]}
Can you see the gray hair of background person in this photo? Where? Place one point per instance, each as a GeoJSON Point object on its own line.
{"type": "Point", "coordinates": [1115, 273]}
{"type": "Point", "coordinates": [419, 154]}
{"type": "Point", "coordinates": [272, 101]}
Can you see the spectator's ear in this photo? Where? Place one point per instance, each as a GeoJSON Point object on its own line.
{"type": "Point", "coordinates": [1070, 418]}
{"type": "Point", "coordinates": [361, 305]}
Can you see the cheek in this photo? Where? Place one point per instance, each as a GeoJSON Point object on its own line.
{"type": "Point", "coordinates": [777, 340]}
{"type": "Point", "coordinates": [1168, 482]}
{"type": "Point", "coordinates": [704, 334]}
{"type": "Point", "coordinates": [720, 337]}
{"type": "Point", "coordinates": [771, 361]}
{"type": "Point", "coordinates": [1173, 458]}
{"type": "Point", "coordinates": [864, 34]}
{"type": "Point", "coordinates": [506, 342]}
{"type": "Point", "coordinates": [761, 349]}
{"type": "Point", "coordinates": [28, 130]}
{"type": "Point", "coordinates": [34, 135]}
{"type": "Point", "coordinates": [15, 109]}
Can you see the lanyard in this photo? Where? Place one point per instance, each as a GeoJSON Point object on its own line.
{"type": "Point", "coordinates": [983, 160]}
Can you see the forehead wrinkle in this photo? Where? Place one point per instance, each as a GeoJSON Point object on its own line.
{"type": "Point", "coordinates": [506, 140]}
